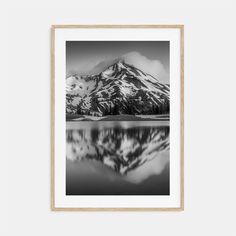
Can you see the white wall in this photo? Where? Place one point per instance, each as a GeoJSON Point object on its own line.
{"type": "Point", "coordinates": [210, 160]}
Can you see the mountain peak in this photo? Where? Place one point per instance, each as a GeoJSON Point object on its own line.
{"type": "Point", "coordinates": [120, 62]}
{"type": "Point", "coordinates": [117, 66]}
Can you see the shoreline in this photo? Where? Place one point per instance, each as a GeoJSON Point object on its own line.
{"type": "Point", "coordinates": [164, 117]}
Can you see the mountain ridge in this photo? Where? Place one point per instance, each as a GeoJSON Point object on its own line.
{"type": "Point", "coordinates": [119, 89]}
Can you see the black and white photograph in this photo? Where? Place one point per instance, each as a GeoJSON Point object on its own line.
{"type": "Point", "coordinates": [117, 117]}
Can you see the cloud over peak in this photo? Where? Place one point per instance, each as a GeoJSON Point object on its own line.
{"type": "Point", "coordinates": [152, 67]}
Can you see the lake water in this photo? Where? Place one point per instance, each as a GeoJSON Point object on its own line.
{"type": "Point", "coordinates": [117, 158]}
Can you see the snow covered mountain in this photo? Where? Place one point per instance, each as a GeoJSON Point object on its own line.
{"type": "Point", "coordinates": [120, 89]}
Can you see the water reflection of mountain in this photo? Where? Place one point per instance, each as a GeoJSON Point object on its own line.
{"type": "Point", "coordinates": [121, 149]}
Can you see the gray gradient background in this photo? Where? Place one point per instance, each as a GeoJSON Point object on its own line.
{"type": "Point", "coordinates": [92, 57]}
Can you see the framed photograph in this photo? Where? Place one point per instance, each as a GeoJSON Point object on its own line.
{"type": "Point", "coordinates": [117, 117]}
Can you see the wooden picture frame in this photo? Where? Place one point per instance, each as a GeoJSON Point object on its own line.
{"type": "Point", "coordinates": [54, 28]}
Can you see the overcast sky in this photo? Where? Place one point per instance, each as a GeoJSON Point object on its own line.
{"type": "Point", "coordinates": [92, 57]}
